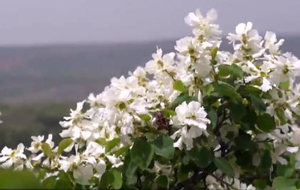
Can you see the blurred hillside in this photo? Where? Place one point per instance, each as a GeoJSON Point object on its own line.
{"type": "Point", "coordinates": [70, 72]}
{"type": "Point", "coordinates": [67, 72]}
{"type": "Point", "coordinates": [39, 85]}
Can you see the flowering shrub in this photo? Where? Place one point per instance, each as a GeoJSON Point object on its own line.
{"type": "Point", "coordinates": [199, 118]}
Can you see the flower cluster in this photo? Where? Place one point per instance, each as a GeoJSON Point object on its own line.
{"type": "Point", "coordinates": [195, 118]}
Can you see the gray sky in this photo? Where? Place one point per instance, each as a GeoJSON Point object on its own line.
{"type": "Point", "coordinates": [29, 22]}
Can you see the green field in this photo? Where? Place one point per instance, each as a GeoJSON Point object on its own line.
{"type": "Point", "coordinates": [23, 121]}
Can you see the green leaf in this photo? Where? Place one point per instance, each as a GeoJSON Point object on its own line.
{"type": "Point", "coordinates": [246, 90]}
{"type": "Point", "coordinates": [214, 53]}
{"type": "Point", "coordinates": [244, 159]}
{"type": "Point", "coordinates": [282, 183]}
{"type": "Point", "coordinates": [112, 144]}
{"type": "Point", "coordinates": [47, 150]}
{"type": "Point", "coordinates": [49, 182]}
{"type": "Point", "coordinates": [266, 161]}
{"type": "Point", "coordinates": [129, 169]}
{"type": "Point", "coordinates": [233, 70]}
{"type": "Point", "coordinates": [101, 141]}
{"type": "Point", "coordinates": [284, 85]}
{"type": "Point", "coordinates": [183, 172]}
{"type": "Point", "coordinates": [249, 120]}
{"type": "Point", "coordinates": [183, 97]}
{"type": "Point", "coordinates": [224, 70]}
{"type": "Point", "coordinates": [111, 179]}
{"type": "Point", "coordinates": [207, 89]}
{"type": "Point", "coordinates": [121, 151]}
{"type": "Point", "coordinates": [266, 122]}
{"type": "Point", "coordinates": [65, 143]}
{"type": "Point", "coordinates": [179, 86]}
{"type": "Point", "coordinates": [10, 179]}
{"type": "Point", "coordinates": [63, 181]}
{"type": "Point", "coordinates": [224, 166]}
{"type": "Point", "coordinates": [284, 170]}
{"type": "Point", "coordinates": [162, 182]}
{"type": "Point", "coordinates": [228, 91]}
{"type": "Point", "coordinates": [213, 62]}
{"type": "Point", "coordinates": [169, 113]}
{"type": "Point", "coordinates": [257, 103]}
{"type": "Point", "coordinates": [213, 117]}
{"type": "Point", "coordinates": [280, 114]}
{"type": "Point", "coordinates": [141, 154]}
{"type": "Point", "coordinates": [243, 142]}
{"type": "Point", "coordinates": [145, 117]}
{"type": "Point", "coordinates": [163, 146]}
{"type": "Point", "coordinates": [260, 183]}
{"type": "Point", "coordinates": [237, 111]}
{"type": "Point", "coordinates": [202, 157]}
{"type": "Point", "coordinates": [62, 184]}
{"type": "Point", "coordinates": [237, 71]}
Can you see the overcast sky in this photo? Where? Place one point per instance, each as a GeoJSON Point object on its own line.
{"type": "Point", "coordinates": [29, 22]}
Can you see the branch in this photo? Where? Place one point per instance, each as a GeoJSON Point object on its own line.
{"type": "Point", "coordinates": [223, 182]}
{"type": "Point", "coordinates": [198, 176]}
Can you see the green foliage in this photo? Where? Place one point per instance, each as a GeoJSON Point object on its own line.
{"type": "Point", "coordinates": [162, 182]}
{"type": "Point", "coordinates": [163, 146]}
{"type": "Point", "coordinates": [225, 90]}
{"type": "Point", "coordinates": [129, 170]}
{"type": "Point", "coordinates": [266, 122]}
{"type": "Point", "coordinates": [65, 143]}
{"type": "Point", "coordinates": [112, 144]}
{"type": "Point", "coordinates": [179, 86]}
{"type": "Point", "coordinates": [202, 157]}
{"type": "Point", "coordinates": [47, 150]}
{"type": "Point", "coordinates": [111, 180]}
{"type": "Point", "coordinates": [282, 183]}
{"type": "Point", "coordinates": [230, 70]}
{"type": "Point", "coordinates": [214, 53]}
{"type": "Point", "coordinates": [183, 97]}
{"type": "Point", "coordinates": [60, 182]}
{"type": "Point", "coordinates": [32, 119]}
{"type": "Point", "coordinates": [142, 154]}
{"type": "Point", "coordinates": [145, 117]}
{"type": "Point", "coordinates": [224, 166]}
{"type": "Point", "coordinates": [18, 180]}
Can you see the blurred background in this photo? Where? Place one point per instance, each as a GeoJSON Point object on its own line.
{"type": "Point", "coordinates": [54, 53]}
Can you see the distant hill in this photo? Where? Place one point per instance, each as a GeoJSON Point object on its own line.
{"type": "Point", "coordinates": [66, 73]}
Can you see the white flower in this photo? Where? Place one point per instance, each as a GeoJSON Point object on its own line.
{"type": "Point", "coordinates": [270, 42]}
{"type": "Point", "coordinates": [249, 41]}
{"type": "Point", "coordinates": [184, 138]}
{"type": "Point", "coordinates": [192, 122]}
{"type": "Point", "coordinates": [266, 85]}
{"type": "Point", "coordinates": [36, 144]}
{"type": "Point", "coordinates": [162, 169]}
{"type": "Point", "coordinates": [9, 157]}
{"type": "Point", "coordinates": [286, 69]}
{"type": "Point", "coordinates": [76, 116]}
{"type": "Point", "coordinates": [191, 114]}
{"type": "Point", "coordinates": [94, 149]}
{"type": "Point", "coordinates": [115, 161]}
{"type": "Point", "coordinates": [160, 62]}
{"type": "Point", "coordinates": [94, 101]}
{"type": "Point", "coordinates": [295, 138]}
{"type": "Point", "coordinates": [204, 27]}
{"type": "Point", "coordinates": [188, 46]}
{"type": "Point", "coordinates": [83, 174]}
